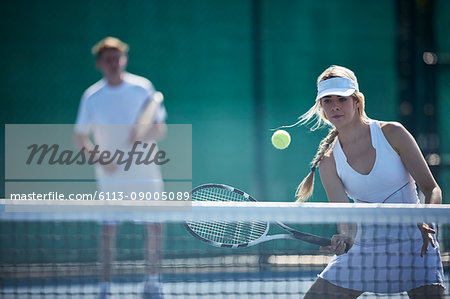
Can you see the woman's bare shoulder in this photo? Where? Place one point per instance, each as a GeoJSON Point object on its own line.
{"type": "Point", "coordinates": [327, 163]}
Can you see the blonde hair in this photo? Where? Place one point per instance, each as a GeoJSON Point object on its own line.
{"type": "Point", "coordinates": [109, 43]}
{"type": "Point", "coordinates": [306, 187]}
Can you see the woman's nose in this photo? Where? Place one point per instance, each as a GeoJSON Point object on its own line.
{"type": "Point", "coordinates": [335, 108]}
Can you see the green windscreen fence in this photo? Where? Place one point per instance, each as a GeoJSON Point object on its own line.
{"type": "Point", "coordinates": [443, 90]}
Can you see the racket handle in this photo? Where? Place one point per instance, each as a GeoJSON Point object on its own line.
{"type": "Point", "coordinates": [313, 239]}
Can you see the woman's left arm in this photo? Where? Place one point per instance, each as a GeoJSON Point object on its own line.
{"type": "Point", "coordinates": [404, 144]}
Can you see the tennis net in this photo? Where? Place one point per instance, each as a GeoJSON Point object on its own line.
{"type": "Point", "coordinates": [57, 249]}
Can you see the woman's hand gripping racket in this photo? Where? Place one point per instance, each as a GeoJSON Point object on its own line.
{"type": "Point", "coordinates": [238, 234]}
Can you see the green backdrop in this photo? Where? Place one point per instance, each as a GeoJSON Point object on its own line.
{"type": "Point", "coordinates": [200, 54]}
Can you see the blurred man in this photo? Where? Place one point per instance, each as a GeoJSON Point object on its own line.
{"type": "Point", "coordinates": [107, 111]}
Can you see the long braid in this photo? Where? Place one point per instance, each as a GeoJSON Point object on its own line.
{"type": "Point", "coordinates": [306, 187]}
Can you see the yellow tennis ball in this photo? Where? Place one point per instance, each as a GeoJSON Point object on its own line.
{"type": "Point", "coordinates": [281, 139]}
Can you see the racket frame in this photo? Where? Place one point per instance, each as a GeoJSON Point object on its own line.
{"type": "Point", "coordinates": [144, 121]}
{"type": "Point", "coordinates": [294, 234]}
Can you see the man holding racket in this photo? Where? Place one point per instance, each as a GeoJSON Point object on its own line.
{"type": "Point", "coordinates": [107, 113]}
{"type": "Point", "coordinates": [371, 161]}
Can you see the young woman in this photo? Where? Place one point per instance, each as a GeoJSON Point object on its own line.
{"type": "Point", "coordinates": [371, 162]}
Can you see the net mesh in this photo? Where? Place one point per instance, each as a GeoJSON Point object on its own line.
{"type": "Point", "coordinates": [53, 254]}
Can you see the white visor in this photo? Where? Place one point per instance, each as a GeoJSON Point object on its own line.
{"type": "Point", "coordinates": [336, 86]}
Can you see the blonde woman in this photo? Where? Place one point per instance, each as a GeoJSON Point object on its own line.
{"type": "Point", "coordinates": [371, 162]}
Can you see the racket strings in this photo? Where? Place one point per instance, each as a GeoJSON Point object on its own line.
{"type": "Point", "coordinates": [229, 232]}
{"type": "Point", "coordinates": [217, 194]}
{"type": "Point", "coordinates": [226, 232]}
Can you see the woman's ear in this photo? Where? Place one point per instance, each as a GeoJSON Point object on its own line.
{"type": "Point", "coordinates": [357, 103]}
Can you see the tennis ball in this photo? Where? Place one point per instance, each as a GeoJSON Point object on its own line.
{"type": "Point", "coordinates": [281, 139]}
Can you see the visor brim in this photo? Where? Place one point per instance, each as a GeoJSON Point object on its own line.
{"type": "Point", "coordinates": [335, 92]}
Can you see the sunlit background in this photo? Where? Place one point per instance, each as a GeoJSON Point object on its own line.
{"type": "Point", "coordinates": [235, 70]}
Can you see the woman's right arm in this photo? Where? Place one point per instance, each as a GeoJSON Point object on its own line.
{"type": "Point", "coordinates": [336, 193]}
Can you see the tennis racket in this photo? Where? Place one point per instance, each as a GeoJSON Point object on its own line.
{"type": "Point", "coordinates": [238, 234]}
{"type": "Point", "coordinates": [144, 121]}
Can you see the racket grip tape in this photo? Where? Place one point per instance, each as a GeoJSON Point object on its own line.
{"type": "Point", "coordinates": [312, 239]}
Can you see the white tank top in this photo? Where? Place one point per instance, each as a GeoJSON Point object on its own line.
{"type": "Point", "coordinates": [387, 182]}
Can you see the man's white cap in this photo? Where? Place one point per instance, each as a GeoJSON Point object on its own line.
{"type": "Point", "coordinates": [336, 86]}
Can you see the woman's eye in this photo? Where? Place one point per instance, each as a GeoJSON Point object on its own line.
{"type": "Point", "coordinates": [326, 101]}
{"type": "Point", "coordinates": [342, 99]}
